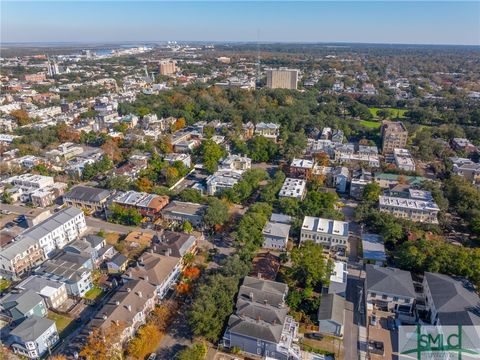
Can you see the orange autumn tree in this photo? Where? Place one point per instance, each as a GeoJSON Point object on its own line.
{"type": "Point", "coordinates": [180, 123]}
{"type": "Point", "coordinates": [102, 345]}
{"type": "Point", "coordinates": [191, 273]}
{"type": "Point", "coordinates": [145, 342]}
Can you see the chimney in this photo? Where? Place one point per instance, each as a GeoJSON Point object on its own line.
{"type": "Point", "coordinates": [117, 302]}
{"type": "Point", "coordinates": [265, 302]}
{"type": "Point", "coordinates": [258, 317]}
{"type": "Point", "coordinates": [128, 289]}
{"type": "Point", "coordinates": [169, 252]}
{"type": "Point", "coordinates": [251, 296]}
{"type": "Point", "coordinates": [104, 317]}
{"type": "Point", "coordinates": [129, 307]}
{"type": "Point", "coordinates": [259, 275]}
{"type": "Point", "coordinates": [146, 278]}
{"type": "Point", "coordinates": [139, 294]}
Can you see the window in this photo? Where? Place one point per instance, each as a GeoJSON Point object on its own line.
{"type": "Point", "coordinates": [395, 298]}
{"type": "Point", "coordinates": [259, 351]}
{"type": "Point", "coordinates": [384, 297]}
{"type": "Point", "coordinates": [373, 295]}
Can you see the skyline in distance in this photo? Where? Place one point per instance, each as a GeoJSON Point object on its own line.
{"type": "Point", "coordinates": [391, 22]}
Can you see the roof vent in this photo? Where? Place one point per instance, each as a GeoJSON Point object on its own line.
{"type": "Point", "coordinates": [128, 289]}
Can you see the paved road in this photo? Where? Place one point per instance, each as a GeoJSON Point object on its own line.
{"type": "Point", "coordinates": [16, 209]}
{"type": "Point", "coordinates": [177, 337]}
{"type": "Point", "coordinates": [354, 310]}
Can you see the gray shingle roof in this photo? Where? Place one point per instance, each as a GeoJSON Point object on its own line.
{"type": "Point", "coordinates": [119, 259]}
{"type": "Point", "coordinates": [263, 290]}
{"type": "Point", "coordinates": [32, 328]}
{"type": "Point", "coordinates": [389, 280]}
{"type": "Point", "coordinates": [23, 301]}
{"type": "Point", "coordinates": [454, 298]}
{"type": "Point", "coordinates": [332, 307]}
{"type": "Point", "coordinates": [87, 194]}
{"type": "Point", "coordinates": [255, 329]}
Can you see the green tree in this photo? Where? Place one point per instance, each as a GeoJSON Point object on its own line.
{"type": "Point", "coordinates": [187, 227]}
{"type": "Point", "coordinates": [198, 351]}
{"type": "Point", "coordinates": [310, 267]}
{"type": "Point", "coordinates": [211, 154]}
{"type": "Point", "coordinates": [371, 192]}
{"type": "Point", "coordinates": [216, 213]}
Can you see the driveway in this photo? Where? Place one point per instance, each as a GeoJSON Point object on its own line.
{"type": "Point", "coordinates": [178, 337]}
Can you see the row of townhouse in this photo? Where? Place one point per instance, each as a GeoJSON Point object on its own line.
{"type": "Point", "coordinates": [39, 242]}
{"type": "Point", "coordinates": [145, 284]}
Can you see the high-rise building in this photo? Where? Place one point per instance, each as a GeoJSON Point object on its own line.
{"type": "Point", "coordinates": [167, 67]}
{"type": "Point", "coordinates": [394, 135]}
{"type": "Point", "coordinates": [282, 78]}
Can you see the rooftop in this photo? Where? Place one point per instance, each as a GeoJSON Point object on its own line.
{"type": "Point", "coordinates": [325, 226]}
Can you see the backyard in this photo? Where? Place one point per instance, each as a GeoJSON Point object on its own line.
{"type": "Point", "coordinates": [62, 321]}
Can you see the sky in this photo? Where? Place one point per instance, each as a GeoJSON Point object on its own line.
{"type": "Point", "coordinates": [404, 22]}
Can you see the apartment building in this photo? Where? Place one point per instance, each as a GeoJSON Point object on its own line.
{"type": "Point", "coordinates": [64, 152]}
{"type": "Point", "coordinates": [148, 205]}
{"type": "Point", "coordinates": [93, 200]}
{"type": "Point", "coordinates": [39, 190]}
{"type": "Point", "coordinates": [167, 67]}
{"type": "Point", "coordinates": [329, 233]}
{"type": "Point", "coordinates": [394, 135]}
{"type": "Point", "coordinates": [186, 159]}
{"type": "Point", "coordinates": [301, 168]}
{"type": "Point", "coordinates": [403, 159]}
{"type": "Point", "coordinates": [180, 211]}
{"type": "Point", "coordinates": [282, 79]}
{"type": "Point", "coordinates": [294, 188]}
{"type": "Point", "coordinates": [412, 209]}
{"type": "Point", "coordinates": [38, 243]}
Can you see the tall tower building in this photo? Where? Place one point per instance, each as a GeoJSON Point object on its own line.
{"type": "Point", "coordinates": [394, 136]}
{"type": "Point", "coordinates": [282, 78]}
{"type": "Point", "coordinates": [167, 67]}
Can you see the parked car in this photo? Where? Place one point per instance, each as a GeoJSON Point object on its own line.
{"type": "Point", "coordinates": [315, 336]}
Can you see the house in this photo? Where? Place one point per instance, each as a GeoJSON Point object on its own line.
{"type": "Point", "coordinates": [87, 198]}
{"type": "Point", "coordinates": [64, 152]}
{"type": "Point", "coordinates": [76, 278]}
{"type": "Point", "coordinates": [180, 211]}
{"type": "Point", "coordinates": [341, 175]}
{"type": "Point", "coordinates": [34, 337]}
{"type": "Point", "coordinates": [235, 163]}
{"type": "Point", "coordinates": [175, 243]}
{"type": "Point", "coordinates": [128, 309]}
{"type": "Point", "coordinates": [117, 264]}
{"type": "Point", "coordinates": [373, 249]}
{"type": "Point", "coordinates": [161, 271]}
{"type": "Point", "coordinates": [329, 233]}
{"type": "Point", "coordinates": [294, 188]}
{"type": "Point", "coordinates": [83, 248]}
{"type": "Point", "coordinates": [248, 130]}
{"type": "Point", "coordinates": [275, 235]}
{"type": "Point", "coordinates": [260, 324]}
{"type": "Point", "coordinates": [54, 293]}
{"type": "Point", "coordinates": [389, 289]}
{"type": "Point", "coordinates": [222, 180]}
{"type": "Point", "coordinates": [331, 315]}
{"type": "Point", "coordinates": [23, 304]}
{"type": "Point", "coordinates": [386, 180]}
{"type": "Point", "coordinates": [148, 205]}
{"type": "Point", "coordinates": [301, 168]}
{"type": "Point", "coordinates": [450, 300]}
{"type": "Point", "coordinates": [268, 130]}
{"type": "Point", "coordinates": [462, 144]}
{"type": "Point", "coordinates": [338, 279]}
{"type": "Point", "coordinates": [186, 159]}
{"type": "Point", "coordinates": [467, 169]}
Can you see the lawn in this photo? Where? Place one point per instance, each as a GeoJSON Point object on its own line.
{"type": "Point", "coordinates": [396, 113]}
{"type": "Point", "coordinates": [93, 293]}
{"type": "Point", "coordinates": [370, 124]}
{"type": "Point", "coordinates": [61, 321]}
